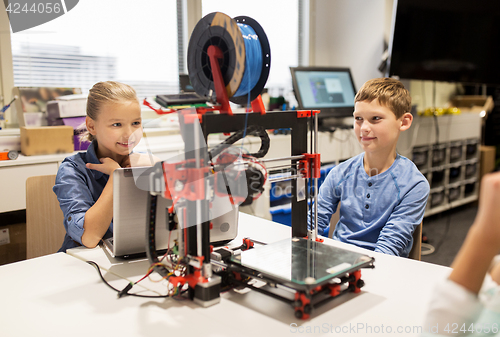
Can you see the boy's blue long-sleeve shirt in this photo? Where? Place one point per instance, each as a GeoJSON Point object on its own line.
{"type": "Point", "coordinates": [378, 213]}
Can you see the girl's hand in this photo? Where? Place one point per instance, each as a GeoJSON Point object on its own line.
{"type": "Point", "coordinates": [107, 166]}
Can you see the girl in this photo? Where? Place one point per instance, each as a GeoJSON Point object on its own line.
{"type": "Point", "coordinates": [468, 302]}
{"type": "Point", "coordinates": [84, 181]}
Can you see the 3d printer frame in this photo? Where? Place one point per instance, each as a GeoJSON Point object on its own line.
{"type": "Point", "coordinates": [196, 125]}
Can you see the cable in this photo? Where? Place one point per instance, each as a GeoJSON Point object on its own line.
{"type": "Point", "coordinates": [423, 94]}
{"type": "Point", "coordinates": [434, 94]}
{"type": "Point", "coordinates": [445, 234]}
{"type": "Point", "coordinates": [433, 106]}
{"type": "Point", "coordinates": [436, 125]}
{"type": "Point", "coordinates": [124, 291]}
{"type": "Point", "coordinates": [150, 237]}
{"type": "Point", "coordinates": [434, 111]}
{"type": "Point", "coordinates": [429, 251]}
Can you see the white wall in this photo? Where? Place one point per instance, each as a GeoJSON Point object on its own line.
{"type": "Point", "coordinates": [349, 33]}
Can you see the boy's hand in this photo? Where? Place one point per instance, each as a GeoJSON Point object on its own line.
{"type": "Point", "coordinates": [487, 223]}
{"type": "Point", "coordinates": [107, 166]}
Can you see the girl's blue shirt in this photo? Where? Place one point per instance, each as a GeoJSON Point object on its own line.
{"type": "Point", "coordinates": [77, 189]}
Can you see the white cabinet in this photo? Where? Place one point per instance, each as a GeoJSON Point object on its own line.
{"type": "Point", "coordinates": [447, 153]}
{"type": "Point", "coordinates": [13, 175]}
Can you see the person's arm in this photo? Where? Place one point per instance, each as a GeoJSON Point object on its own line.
{"type": "Point", "coordinates": [456, 301]}
{"type": "Point", "coordinates": [452, 308]}
{"type": "Point", "coordinates": [99, 216]}
{"type": "Point", "coordinates": [483, 239]}
{"type": "Point", "coordinates": [406, 216]}
{"type": "Point", "coordinates": [74, 196]}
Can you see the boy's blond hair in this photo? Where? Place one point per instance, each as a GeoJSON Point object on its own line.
{"type": "Point", "coordinates": [390, 93]}
{"type": "Point", "coordinates": [107, 92]}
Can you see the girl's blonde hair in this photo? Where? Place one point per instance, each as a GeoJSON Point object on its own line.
{"type": "Point", "coordinates": [105, 93]}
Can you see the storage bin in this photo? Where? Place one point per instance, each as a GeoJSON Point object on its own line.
{"type": "Point", "coordinates": [420, 156]}
{"type": "Point", "coordinates": [436, 198]}
{"type": "Point", "coordinates": [470, 170]}
{"type": "Point", "coordinates": [456, 152]}
{"type": "Point", "coordinates": [438, 154]}
{"type": "Point", "coordinates": [280, 190]}
{"type": "Point", "coordinates": [454, 193]}
{"type": "Point", "coordinates": [437, 178]}
{"type": "Point", "coordinates": [471, 148]}
{"type": "Point", "coordinates": [469, 189]}
{"type": "Point", "coordinates": [454, 173]}
{"type": "Point", "coordinates": [282, 214]}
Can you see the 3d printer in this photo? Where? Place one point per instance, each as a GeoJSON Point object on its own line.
{"type": "Point", "coordinates": [224, 56]}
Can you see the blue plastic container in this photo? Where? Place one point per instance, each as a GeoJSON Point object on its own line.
{"type": "Point", "coordinates": [282, 214]}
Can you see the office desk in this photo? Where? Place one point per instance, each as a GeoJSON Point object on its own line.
{"type": "Point", "coordinates": [60, 295]}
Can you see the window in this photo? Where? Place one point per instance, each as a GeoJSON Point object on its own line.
{"type": "Point", "coordinates": [282, 35]}
{"type": "Point", "coordinates": [123, 40]}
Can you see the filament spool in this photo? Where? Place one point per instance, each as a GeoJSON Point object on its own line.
{"type": "Point", "coordinates": [266, 60]}
{"type": "Point", "coordinates": [220, 30]}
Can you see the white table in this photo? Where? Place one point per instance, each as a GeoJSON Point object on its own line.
{"type": "Point", "coordinates": [60, 295]}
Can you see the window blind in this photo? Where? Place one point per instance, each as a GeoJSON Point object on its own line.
{"type": "Point", "coordinates": [136, 45]}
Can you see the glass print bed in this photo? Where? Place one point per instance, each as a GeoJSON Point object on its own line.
{"type": "Point", "coordinates": [301, 263]}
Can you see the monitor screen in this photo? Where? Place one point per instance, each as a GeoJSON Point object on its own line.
{"type": "Point", "coordinates": [330, 90]}
{"type": "Point", "coordinates": [446, 40]}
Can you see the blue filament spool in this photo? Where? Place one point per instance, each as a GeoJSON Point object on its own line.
{"type": "Point", "coordinates": [253, 60]}
{"type": "Point", "coordinates": [259, 56]}
{"type": "Point", "coordinates": [246, 56]}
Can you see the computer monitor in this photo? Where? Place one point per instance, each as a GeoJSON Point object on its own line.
{"type": "Point", "coordinates": [330, 90]}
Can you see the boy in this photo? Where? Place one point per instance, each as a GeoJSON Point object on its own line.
{"type": "Point", "coordinates": [382, 194]}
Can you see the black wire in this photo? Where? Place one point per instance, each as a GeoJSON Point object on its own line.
{"type": "Point", "coordinates": [437, 127]}
{"type": "Point", "coordinates": [423, 93]}
{"type": "Point", "coordinates": [434, 110]}
{"type": "Point", "coordinates": [92, 263]}
{"type": "Point", "coordinates": [434, 94]}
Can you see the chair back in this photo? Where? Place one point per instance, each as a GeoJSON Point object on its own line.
{"type": "Point", "coordinates": [416, 250]}
{"type": "Point", "coordinates": [44, 218]}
